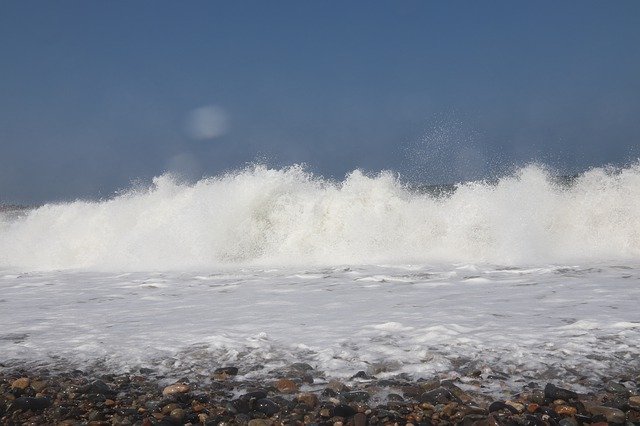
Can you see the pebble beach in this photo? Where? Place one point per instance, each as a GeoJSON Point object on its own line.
{"type": "Point", "coordinates": [300, 395]}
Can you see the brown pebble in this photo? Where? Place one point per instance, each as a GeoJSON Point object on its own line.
{"type": "Point", "coordinates": [286, 386]}
{"type": "Point", "coordinates": [634, 401]}
{"type": "Point", "coordinates": [21, 383]}
{"type": "Point", "coordinates": [176, 388]}
{"type": "Point", "coordinates": [109, 402]}
{"type": "Point", "coordinates": [309, 399]}
{"type": "Point", "coordinates": [532, 408]}
{"type": "Point", "coordinates": [39, 385]}
{"type": "Point", "coordinates": [360, 419]}
{"type": "Point", "coordinates": [177, 414]}
{"type": "Point", "coordinates": [566, 410]}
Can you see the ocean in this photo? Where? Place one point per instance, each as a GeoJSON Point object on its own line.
{"type": "Point", "coordinates": [524, 277]}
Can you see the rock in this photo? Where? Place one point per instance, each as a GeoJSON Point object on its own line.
{"type": "Point", "coordinates": [618, 401]}
{"type": "Point", "coordinates": [267, 406]}
{"type": "Point", "coordinates": [337, 386]}
{"type": "Point", "coordinates": [566, 410]}
{"type": "Point", "coordinates": [343, 410]}
{"type": "Point", "coordinates": [568, 421]}
{"type": "Point", "coordinates": [553, 392]}
{"type": "Point", "coordinates": [634, 401]}
{"type": "Point", "coordinates": [360, 419]}
{"type": "Point", "coordinates": [22, 383]}
{"type": "Point", "coordinates": [97, 387]}
{"type": "Point", "coordinates": [617, 388]}
{"type": "Point", "coordinates": [437, 396]}
{"type": "Point", "coordinates": [301, 366]}
{"type": "Point", "coordinates": [39, 385]}
{"type": "Point", "coordinates": [286, 386]}
{"type": "Point", "coordinates": [360, 375]}
{"type": "Point", "coordinates": [25, 403]}
{"type": "Point", "coordinates": [533, 407]}
{"type": "Point", "coordinates": [309, 399]}
{"type": "Point", "coordinates": [224, 373]}
{"type": "Point", "coordinates": [499, 406]}
{"type": "Point", "coordinates": [257, 394]}
{"type": "Point", "coordinates": [613, 415]}
{"type": "Point", "coordinates": [176, 388]}
{"type": "Point", "coordinates": [260, 422]}
{"type": "Point", "coordinates": [537, 396]}
{"type": "Point", "coordinates": [177, 414]}
{"type": "Point", "coordinates": [357, 396]}
{"type": "Point", "coordinates": [517, 405]}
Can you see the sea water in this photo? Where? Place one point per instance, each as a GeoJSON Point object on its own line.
{"type": "Point", "coordinates": [526, 277]}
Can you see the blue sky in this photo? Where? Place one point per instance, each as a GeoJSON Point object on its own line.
{"type": "Point", "coordinates": [95, 95]}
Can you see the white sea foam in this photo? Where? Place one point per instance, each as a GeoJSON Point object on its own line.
{"type": "Point", "coordinates": [260, 216]}
{"type": "Point", "coordinates": [262, 268]}
{"type": "Point", "coordinates": [558, 323]}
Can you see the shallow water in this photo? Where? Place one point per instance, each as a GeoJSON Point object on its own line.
{"type": "Point", "coordinates": [549, 322]}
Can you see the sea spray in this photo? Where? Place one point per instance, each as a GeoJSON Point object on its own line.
{"type": "Point", "coordinates": [262, 216]}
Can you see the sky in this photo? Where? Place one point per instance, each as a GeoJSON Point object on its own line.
{"type": "Point", "coordinates": [95, 95]}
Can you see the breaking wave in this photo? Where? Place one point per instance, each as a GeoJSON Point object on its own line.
{"type": "Point", "coordinates": [262, 216]}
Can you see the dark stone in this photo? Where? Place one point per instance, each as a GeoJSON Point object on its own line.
{"type": "Point", "coordinates": [329, 392]}
{"type": "Point", "coordinates": [229, 371]}
{"type": "Point", "coordinates": [241, 419]}
{"type": "Point", "coordinates": [360, 419]}
{"type": "Point", "coordinates": [531, 420]}
{"type": "Point", "coordinates": [301, 366]}
{"type": "Point", "coordinates": [438, 396]}
{"type": "Point", "coordinates": [357, 396]}
{"type": "Point", "coordinates": [97, 387]}
{"type": "Point", "coordinates": [360, 375]}
{"type": "Point", "coordinates": [257, 394]}
{"type": "Point", "coordinates": [553, 392]}
{"type": "Point", "coordinates": [25, 403]}
{"type": "Point", "coordinates": [618, 401]}
{"type": "Point", "coordinates": [343, 410]}
{"type": "Point", "coordinates": [472, 419]}
{"type": "Point", "coordinates": [395, 397]}
{"type": "Point", "coordinates": [617, 388]}
{"type": "Point", "coordinates": [549, 412]}
{"type": "Point", "coordinates": [267, 406]}
{"type": "Point", "coordinates": [499, 405]}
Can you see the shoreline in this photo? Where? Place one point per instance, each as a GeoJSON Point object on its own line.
{"type": "Point", "coordinates": [301, 395]}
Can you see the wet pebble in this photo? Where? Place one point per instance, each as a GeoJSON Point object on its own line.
{"type": "Point", "coordinates": [176, 388]}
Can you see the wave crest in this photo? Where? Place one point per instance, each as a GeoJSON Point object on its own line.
{"type": "Point", "coordinates": [262, 216]}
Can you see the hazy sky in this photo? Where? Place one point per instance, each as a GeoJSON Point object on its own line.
{"type": "Point", "coordinates": [97, 94]}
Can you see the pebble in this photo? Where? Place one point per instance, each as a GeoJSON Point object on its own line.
{"type": "Point", "coordinates": [176, 388]}
{"type": "Point", "coordinates": [613, 415]}
{"type": "Point", "coordinates": [128, 400]}
{"type": "Point", "coordinates": [286, 386]}
{"type": "Point", "coordinates": [309, 399]}
{"type": "Point", "coordinates": [224, 373]}
{"type": "Point", "coordinates": [437, 396]}
{"type": "Point", "coordinates": [618, 388]}
{"type": "Point", "coordinates": [21, 383]}
{"type": "Point", "coordinates": [260, 422]}
{"type": "Point", "coordinates": [27, 403]}
{"type": "Point", "coordinates": [553, 392]}
{"type": "Point", "coordinates": [566, 410]}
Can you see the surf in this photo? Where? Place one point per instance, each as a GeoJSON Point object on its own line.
{"type": "Point", "coordinates": [289, 216]}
